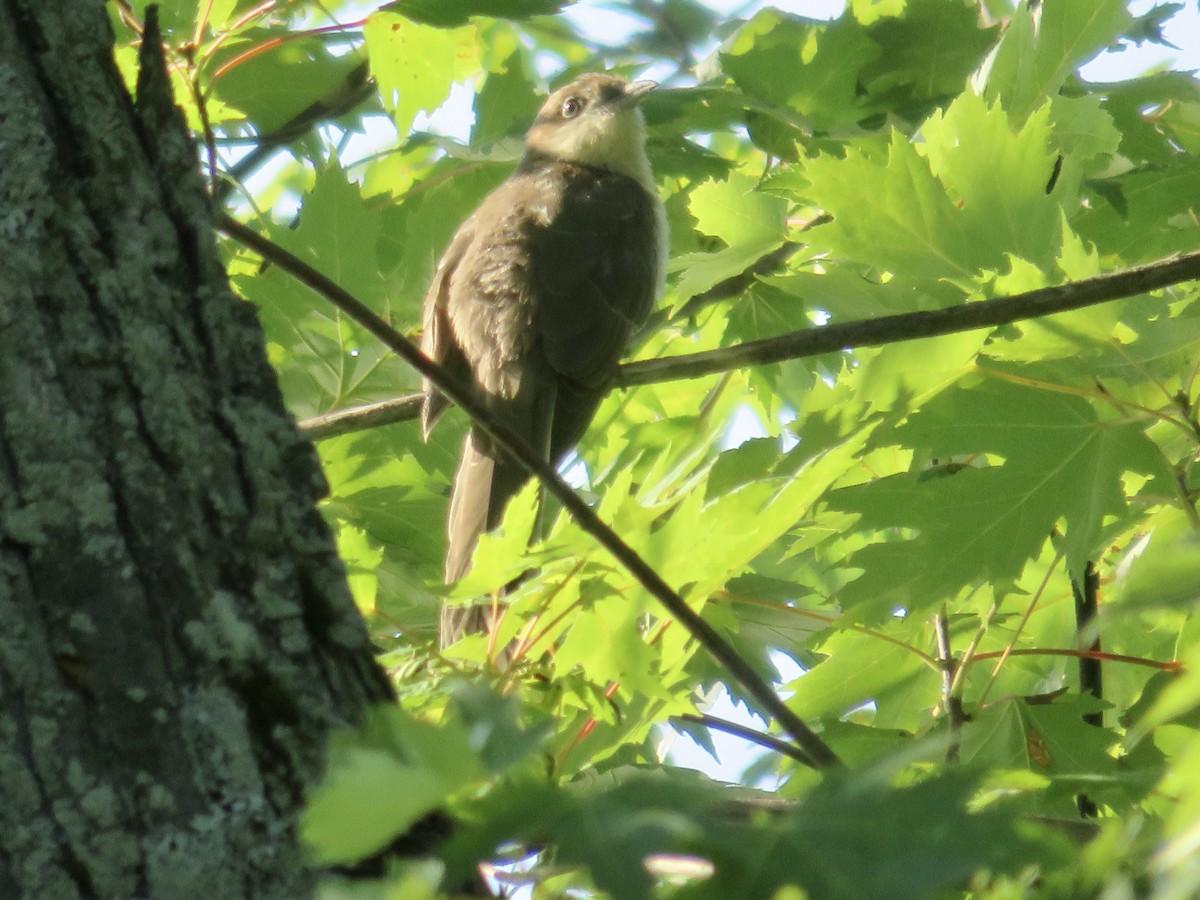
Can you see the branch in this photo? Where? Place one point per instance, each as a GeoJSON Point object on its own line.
{"type": "Point", "coordinates": [360, 418]}
{"type": "Point", "coordinates": [863, 333]}
{"type": "Point", "coordinates": [355, 87]}
{"type": "Point", "coordinates": [909, 326]}
{"type": "Point", "coordinates": [767, 741]}
{"type": "Point", "coordinates": [817, 750]}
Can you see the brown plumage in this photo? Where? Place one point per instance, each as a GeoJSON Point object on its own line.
{"type": "Point", "coordinates": [536, 297]}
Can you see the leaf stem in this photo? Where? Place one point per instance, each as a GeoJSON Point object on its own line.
{"type": "Point", "coordinates": [831, 619]}
{"type": "Point", "coordinates": [1100, 655]}
{"type": "Point", "coordinates": [1008, 651]}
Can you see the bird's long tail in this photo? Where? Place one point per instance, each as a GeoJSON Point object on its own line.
{"type": "Point", "coordinates": [483, 485]}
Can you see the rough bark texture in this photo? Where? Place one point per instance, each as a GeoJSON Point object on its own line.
{"type": "Point", "coordinates": [176, 637]}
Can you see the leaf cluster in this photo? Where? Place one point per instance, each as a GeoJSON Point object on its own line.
{"type": "Point", "coordinates": [912, 525]}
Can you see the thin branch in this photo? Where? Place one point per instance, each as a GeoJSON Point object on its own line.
{"type": "Point", "coordinates": [360, 418]}
{"type": "Point", "coordinates": [352, 90]}
{"type": "Point", "coordinates": [769, 742]}
{"type": "Point", "coordinates": [721, 651]}
{"type": "Point", "coordinates": [210, 141]}
{"type": "Point", "coordinates": [1087, 606]}
{"type": "Point", "coordinates": [233, 28]}
{"type": "Point", "coordinates": [950, 701]}
{"type": "Point", "coordinates": [129, 17]}
{"type": "Point", "coordinates": [910, 326]}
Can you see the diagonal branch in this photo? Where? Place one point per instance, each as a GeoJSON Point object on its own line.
{"type": "Point", "coordinates": [909, 326]}
{"type": "Point", "coordinates": [816, 749]}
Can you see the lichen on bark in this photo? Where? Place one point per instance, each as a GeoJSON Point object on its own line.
{"type": "Point", "coordinates": [176, 635]}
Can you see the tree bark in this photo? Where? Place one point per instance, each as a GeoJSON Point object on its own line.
{"type": "Point", "coordinates": [176, 635]}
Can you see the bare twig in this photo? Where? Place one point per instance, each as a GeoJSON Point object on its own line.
{"type": "Point", "coordinates": [817, 750]}
{"type": "Point", "coordinates": [359, 418]}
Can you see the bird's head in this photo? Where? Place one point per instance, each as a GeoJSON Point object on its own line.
{"type": "Point", "coordinates": [595, 121]}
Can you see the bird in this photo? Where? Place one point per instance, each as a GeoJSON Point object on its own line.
{"type": "Point", "coordinates": [536, 297]}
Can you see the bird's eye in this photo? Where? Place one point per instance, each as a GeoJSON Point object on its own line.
{"type": "Point", "coordinates": [572, 107]}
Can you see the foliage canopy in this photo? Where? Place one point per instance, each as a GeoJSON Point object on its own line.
{"type": "Point", "coordinates": [915, 520]}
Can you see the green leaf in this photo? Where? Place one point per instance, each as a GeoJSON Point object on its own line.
{"type": "Point", "coordinates": [735, 212]}
{"type": "Point", "coordinates": [608, 645]}
{"type": "Point", "coordinates": [863, 668]}
{"type": "Point", "coordinates": [362, 561]}
{"type": "Point", "coordinates": [494, 724]}
{"type": "Point", "coordinates": [1154, 217]}
{"type": "Point", "coordinates": [892, 213]}
{"type": "Point", "coordinates": [997, 176]}
{"type": "Point", "coordinates": [326, 360]}
{"type": "Point", "coordinates": [451, 13]}
{"type": "Point", "coordinates": [765, 311]}
{"type": "Point", "coordinates": [702, 271]}
{"type": "Point", "coordinates": [415, 65]}
{"type": "Point", "coordinates": [273, 86]}
{"type": "Point", "coordinates": [1083, 129]}
{"type": "Point", "coordinates": [751, 223]}
{"type": "Point", "coordinates": [380, 781]}
{"type": "Point", "coordinates": [927, 53]}
{"type": "Point", "coordinates": [1051, 738]}
{"type": "Point", "coordinates": [811, 67]}
{"type": "Point", "coordinates": [1168, 574]}
{"type": "Point", "coordinates": [1040, 50]}
{"type": "Point", "coordinates": [1055, 459]}
{"type": "Point", "coordinates": [368, 798]}
{"type": "Point", "coordinates": [821, 845]}
{"type": "Point", "coordinates": [866, 12]}
{"type": "Point", "coordinates": [1079, 333]}
{"type": "Point", "coordinates": [681, 158]}
{"type": "Point", "coordinates": [506, 104]}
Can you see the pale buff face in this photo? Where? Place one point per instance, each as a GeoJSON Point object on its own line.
{"type": "Point", "coordinates": [595, 121]}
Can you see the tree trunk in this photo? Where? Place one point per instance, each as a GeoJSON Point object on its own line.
{"type": "Point", "coordinates": [176, 635]}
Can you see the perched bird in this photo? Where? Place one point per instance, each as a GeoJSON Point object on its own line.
{"type": "Point", "coordinates": [535, 299]}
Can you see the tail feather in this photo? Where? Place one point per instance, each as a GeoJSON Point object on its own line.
{"type": "Point", "coordinates": [486, 480]}
{"type": "Point", "coordinates": [483, 485]}
{"type": "Point", "coordinates": [469, 505]}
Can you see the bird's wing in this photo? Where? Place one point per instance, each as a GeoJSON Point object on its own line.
{"type": "Point", "coordinates": [437, 339]}
{"type": "Point", "coordinates": [595, 270]}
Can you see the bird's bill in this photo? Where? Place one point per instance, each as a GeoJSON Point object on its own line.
{"type": "Point", "coordinates": [636, 91]}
